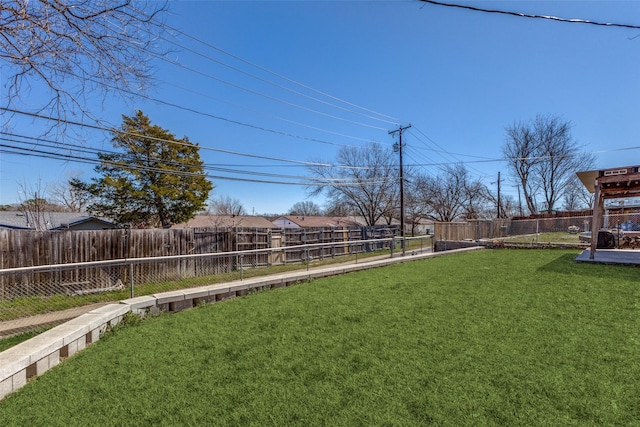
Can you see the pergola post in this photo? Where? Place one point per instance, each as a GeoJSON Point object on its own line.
{"type": "Point", "coordinates": [596, 221]}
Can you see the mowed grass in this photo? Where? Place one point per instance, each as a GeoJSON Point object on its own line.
{"type": "Point", "coordinates": [33, 305]}
{"type": "Point", "coordinates": [502, 337]}
{"type": "Point", "coordinates": [551, 237]}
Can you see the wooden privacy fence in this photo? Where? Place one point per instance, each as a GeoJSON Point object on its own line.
{"type": "Point", "coordinates": [23, 248]}
{"type": "Point", "coordinates": [499, 228]}
{"type": "Point", "coordinates": [471, 230]}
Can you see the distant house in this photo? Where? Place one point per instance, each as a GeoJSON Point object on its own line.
{"type": "Point", "coordinates": [223, 221]}
{"type": "Point", "coordinates": [293, 221]}
{"type": "Point", "coordinates": [17, 220]}
{"type": "Point", "coordinates": [381, 221]}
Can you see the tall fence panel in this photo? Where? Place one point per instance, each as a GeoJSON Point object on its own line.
{"type": "Point", "coordinates": [24, 248]}
{"type": "Point", "coordinates": [503, 228]}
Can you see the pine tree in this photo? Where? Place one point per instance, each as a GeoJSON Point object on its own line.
{"type": "Point", "coordinates": [153, 180]}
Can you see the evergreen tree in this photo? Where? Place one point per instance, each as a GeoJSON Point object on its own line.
{"type": "Point", "coordinates": [154, 180]}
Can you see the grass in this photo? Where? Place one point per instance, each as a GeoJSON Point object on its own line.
{"type": "Point", "coordinates": [32, 305]}
{"type": "Point", "coordinates": [552, 237]}
{"type": "Point", "coordinates": [501, 337]}
{"type": "Point", "coordinates": [9, 342]}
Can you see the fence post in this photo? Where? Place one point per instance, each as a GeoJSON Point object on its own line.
{"type": "Point", "coordinates": [241, 267]}
{"type": "Point", "coordinates": [131, 278]}
{"type": "Point", "coordinates": [356, 251]}
{"type": "Point", "coordinates": [308, 258]}
{"type": "Point", "coordinates": [393, 244]}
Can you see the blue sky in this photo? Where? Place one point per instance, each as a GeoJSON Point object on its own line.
{"type": "Point", "coordinates": [458, 77]}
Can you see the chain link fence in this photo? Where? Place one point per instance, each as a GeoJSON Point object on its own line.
{"type": "Point", "coordinates": [31, 297]}
{"type": "Point", "coordinates": [624, 227]}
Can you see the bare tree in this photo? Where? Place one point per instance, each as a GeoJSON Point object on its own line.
{"type": "Point", "coordinates": [34, 206]}
{"type": "Point", "coordinates": [71, 48]}
{"type": "Point", "coordinates": [543, 157]}
{"type": "Point", "coordinates": [64, 194]}
{"type": "Point", "coordinates": [362, 179]}
{"type": "Point", "coordinates": [576, 196]}
{"type": "Point", "coordinates": [451, 195]}
{"type": "Point", "coordinates": [337, 209]}
{"type": "Point", "coordinates": [306, 208]}
{"type": "Point", "coordinates": [415, 206]}
{"type": "Point", "coordinates": [521, 153]}
{"type": "Point", "coordinates": [226, 205]}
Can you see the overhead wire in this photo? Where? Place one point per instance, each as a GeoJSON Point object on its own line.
{"type": "Point", "coordinates": [533, 16]}
{"type": "Point", "coordinates": [390, 119]}
{"type": "Point", "coordinates": [295, 92]}
{"type": "Point", "coordinates": [43, 143]}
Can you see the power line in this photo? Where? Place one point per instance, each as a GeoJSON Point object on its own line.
{"type": "Point", "coordinates": [533, 16]}
{"type": "Point", "coordinates": [275, 84]}
{"type": "Point", "coordinates": [255, 92]}
{"type": "Point", "coordinates": [40, 143]}
{"type": "Point", "coordinates": [280, 76]}
{"type": "Point", "coordinates": [114, 130]}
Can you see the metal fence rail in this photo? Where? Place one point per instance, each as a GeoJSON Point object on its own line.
{"type": "Point", "coordinates": [34, 290]}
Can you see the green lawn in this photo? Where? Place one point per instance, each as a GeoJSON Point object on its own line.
{"type": "Point", "coordinates": [502, 337]}
{"type": "Point", "coordinates": [33, 305]}
{"type": "Point", "coordinates": [551, 237]}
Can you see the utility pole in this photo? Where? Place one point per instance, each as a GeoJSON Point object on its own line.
{"type": "Point", "coordinates": [499, 205]}
{"type": "Point", "coordinates": [397, 147]}
{"type": "Point", "coordinates": [519, 200]}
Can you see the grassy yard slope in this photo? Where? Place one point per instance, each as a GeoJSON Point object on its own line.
{"type": "Point", "coordinates": [498, 337]}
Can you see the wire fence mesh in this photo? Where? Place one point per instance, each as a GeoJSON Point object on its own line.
{"type": "Point", "coordinates": [624, 229]}
{"type": "Point", "coordinates": [45, 295]}
{"type": "Point", "coordinates": [41, 285]}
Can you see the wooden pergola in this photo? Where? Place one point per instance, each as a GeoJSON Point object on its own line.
{"type": "Point", "coordinates": [622, 182]}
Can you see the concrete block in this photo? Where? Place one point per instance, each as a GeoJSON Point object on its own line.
{"type": "Point", "coordinates": [180, 305]}
{"type": "Point", "coordinates": [224, 296]}
{"type": "Point", "coordinates": [6, 387]}
{"type": "Point", "coordinates": [70, 332]}
{"type": "Point", "coordinates": [273, 281]}
{"type": "Point", "coordinates": [92, 320]}
{"type": "Point", "coordinates": [137, 303]}
{"type": "Point", "coordinates": [114, 309]}
{"type": "Point", "coordinates": [19, 379]}
{"type": "Point", "coordinates": [168, 297]}
{"type": "Point", "coordinates": [54, 359]}
{"type": "Point", "coordinates": [95, 334]}
{"type": "Point", "coordinates": [37, 347]}
{"type": "Point", "coordinates": [81, 343]}
{"type": "Point", "coordinates": [72, 348]}
{"type": "Point", "coordinates": [216, 290]}
{"type": "Point", "coordinates": [240, 287]}
{"type": "Point", "coordinates": [42, 365]}
{"type": "Point", "coordinates": [204, 300]}
{"type": "Point", "coordinates": [113, 322]}
{"type": "Point", "coordinates": [196, 293]}
{"type": "Point", "coordinates": [12, 363]}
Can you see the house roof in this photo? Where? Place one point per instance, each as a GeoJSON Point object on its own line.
{"type": "Point", "coordinates": [318, 221]}
{"type": "Point", "coordinates": [208, 221]}
{"type": "Point", "coordinates": [18, 220]}
{"type": "Point", "coordinates": [360, 220]}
